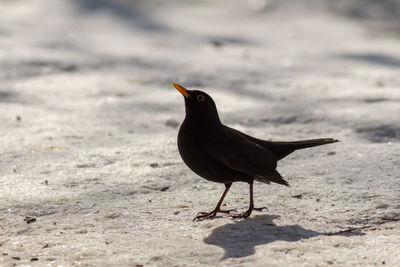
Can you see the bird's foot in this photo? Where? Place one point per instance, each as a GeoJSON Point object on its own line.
{"type": "Point", "coordinates": [242, 215]}
{"type": "Point", "coordinates": [209, 215]}
{"type": "Point", "coordinates": [247, 213]}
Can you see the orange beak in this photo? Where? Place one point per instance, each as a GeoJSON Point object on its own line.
{"type": "Point", "coordinates": [181, 89]}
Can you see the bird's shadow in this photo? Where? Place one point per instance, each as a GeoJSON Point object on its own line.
{"type": "Point", "coordinates": [239, 239]}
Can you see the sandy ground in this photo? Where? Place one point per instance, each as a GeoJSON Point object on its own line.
{"type": "Point", "coordinates": [90, 174]}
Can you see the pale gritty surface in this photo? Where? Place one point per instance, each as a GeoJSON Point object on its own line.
{"type": "Point", "coordinates": [89, 121]}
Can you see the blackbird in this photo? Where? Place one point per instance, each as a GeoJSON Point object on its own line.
{"type": "Point", "coordinates": [222, 154]}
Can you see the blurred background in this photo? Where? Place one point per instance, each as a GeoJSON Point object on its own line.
{"type": "Point", "coordinates": [89, 120]}
{"type": "Point", "coordinates": [170, 40]}
{"type": "Point", "coordinates": [268, 53]}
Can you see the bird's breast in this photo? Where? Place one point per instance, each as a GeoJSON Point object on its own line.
{"type": "Point", "coordinates": [192, 147]}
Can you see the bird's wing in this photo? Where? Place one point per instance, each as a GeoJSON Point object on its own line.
{"type": "Point", "coordinates": [241, 154]}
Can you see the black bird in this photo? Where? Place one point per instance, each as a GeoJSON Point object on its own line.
{"type": "Point", "coordinates": [221, 154]}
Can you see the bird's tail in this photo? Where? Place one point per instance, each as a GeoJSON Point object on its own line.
{"type": "Point", "coordinates": [274, 177]}
{"type": "Point", "coordinates": [282, 149]}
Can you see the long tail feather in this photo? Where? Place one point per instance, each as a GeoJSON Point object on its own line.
{"type": "Point", "coordinates": [282, 149]}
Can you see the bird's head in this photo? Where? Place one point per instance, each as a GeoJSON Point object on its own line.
{"type": "Point", "coordinates": [199, 105]}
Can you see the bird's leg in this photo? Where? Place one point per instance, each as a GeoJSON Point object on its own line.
{"type": "Point", "coordinates": [213, 213]}
{"type": "Point", "coordinates": [251, 207]}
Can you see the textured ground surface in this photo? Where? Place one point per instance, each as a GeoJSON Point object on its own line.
{"type": "Point", "coordinates": [89, 119]}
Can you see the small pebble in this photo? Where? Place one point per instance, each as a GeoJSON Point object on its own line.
{"type": "Point", "coordinates": [154, 165]}
{"type": "Point", "coordinates": [216, 43]}
{"type": "Point", "coordinates": [165, 188]}
{"type": "Point", "coordinates": [29, 219]}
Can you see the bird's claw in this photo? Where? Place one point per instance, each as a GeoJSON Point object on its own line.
{"type": "Point", "coordinates": [241, 215]}
{"type": "Point", "coordinates": [210, 215]}
{"type": "Point", "coordinates": [205, 215]}
{"type": "Point", "coordinates": [247, 213]}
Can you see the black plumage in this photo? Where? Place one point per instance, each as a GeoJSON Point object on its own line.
{"type": "Point", "coordinates": [222, 154]}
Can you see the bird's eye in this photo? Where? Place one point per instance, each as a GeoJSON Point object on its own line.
{"type": "Point", "coordinates": [200, 98]}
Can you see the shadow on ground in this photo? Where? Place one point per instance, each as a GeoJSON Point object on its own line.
{"type": "Point", "coordinates": [239, 239]}
{"type": "Point", "coordinates": [380, 133]}
{"type": "Point", "coordinates": [130, 12]}
{"type": "Point", "coordinates": [375, 58]}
